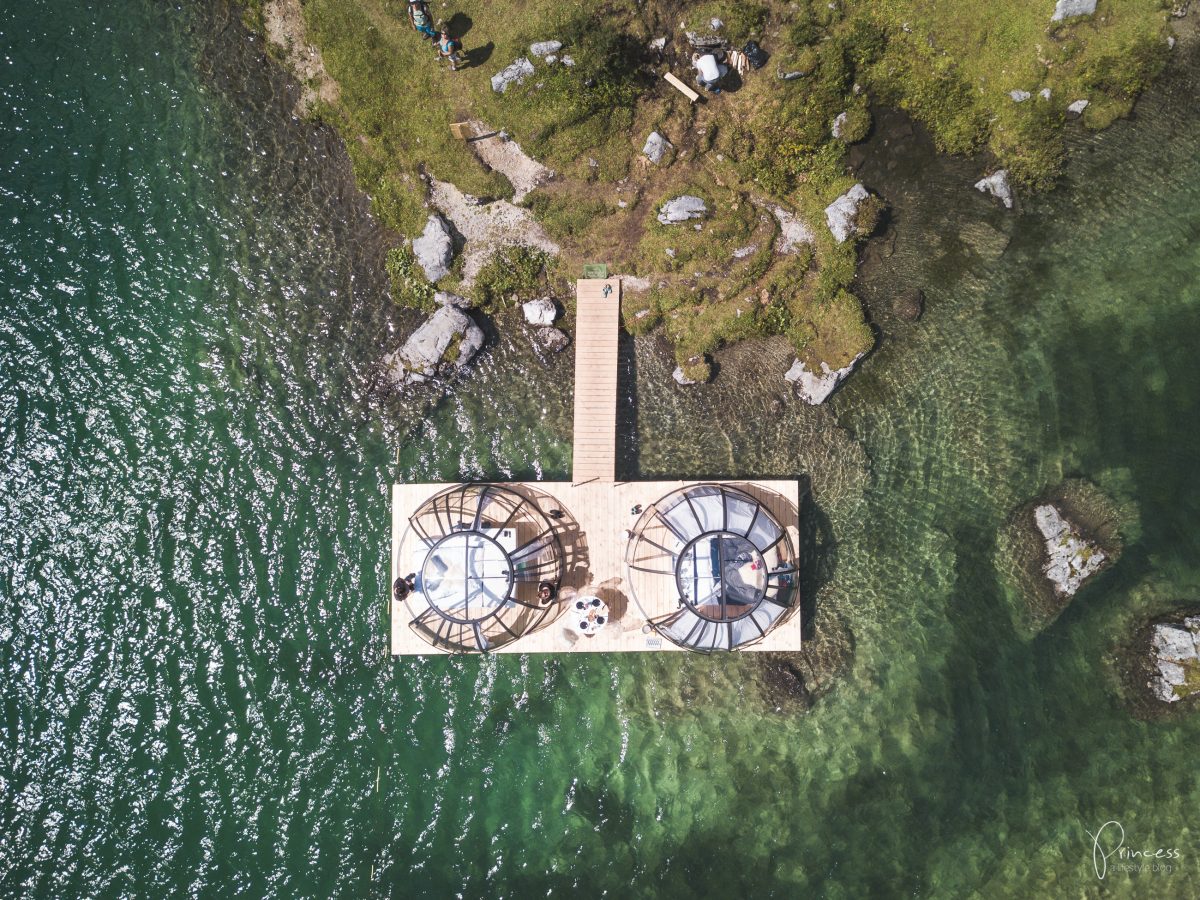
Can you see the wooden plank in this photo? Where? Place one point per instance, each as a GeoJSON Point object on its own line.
{"type": "Point", "coordinates": [681, 87]}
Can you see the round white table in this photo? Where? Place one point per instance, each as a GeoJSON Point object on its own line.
{"type": "Point", "coordinates": [588, 614]}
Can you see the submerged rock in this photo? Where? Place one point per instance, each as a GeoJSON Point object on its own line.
{"type": "Point", "coordinates": [1068, 9]}
{"type": "Point", "coordinates": [815, 387]}
{"type": "Point", "coordinates": [841, 214]}
{"type": "Point", "coordinates": [444, 343]}
{"type": "Point", "coordinates": [434, 249]}
{"type": "Point", "coordinates": [681, 209]}
{"type": "Point", "coordinates": [656, 147]}
{"type": "Point", "coordinates": [909, 304]}
{"type": "Point", "coordinates": [514, 73]}
{"type": "Point", "coordinates": [549, 339]}
{"type": "Point", "coordinates": [542, 311]}
{"type": "Point", "coordinates": [997, 185]}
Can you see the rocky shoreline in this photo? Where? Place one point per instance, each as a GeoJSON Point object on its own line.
{"type": "Point", "coordinates": [830, 335]}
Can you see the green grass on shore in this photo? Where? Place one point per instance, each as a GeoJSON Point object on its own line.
{"type": "Point", "coordinates": [950, 65]}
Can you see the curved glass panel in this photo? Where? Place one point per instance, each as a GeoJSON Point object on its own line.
{"type": "Point", "coordinates": [467, 576]}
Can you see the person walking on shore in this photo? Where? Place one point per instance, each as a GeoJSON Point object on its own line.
{"type": "Point", "coordinates": [422, 22]}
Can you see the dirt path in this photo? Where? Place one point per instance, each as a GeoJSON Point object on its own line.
{"type": "Point", "coordinates": [500, 152]}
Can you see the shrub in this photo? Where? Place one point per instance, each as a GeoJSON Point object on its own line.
{"type": "Point", "coordinates": [868, 215]}
{"type": "Point", "coordinates": [742, 21]}
{"type": "Point", "coordinates": [409, 285]}
{"type": "Point", "coordinates": [512, 270]}
{"type": "Point", "coordinates": [857, 124]}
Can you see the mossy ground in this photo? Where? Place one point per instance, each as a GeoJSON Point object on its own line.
{"type": "Point", "coordinates": [765, 140]}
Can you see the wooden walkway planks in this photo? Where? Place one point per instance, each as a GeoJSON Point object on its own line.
{"type": "Point", "coordinates": [597, 327]}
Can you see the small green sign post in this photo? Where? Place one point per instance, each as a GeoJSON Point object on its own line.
{"type": "Point", "coordinates": [595, 270]}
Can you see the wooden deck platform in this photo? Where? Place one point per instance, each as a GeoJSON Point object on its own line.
{"type": "Point", "coordinates": [597, 329]}
{"type": "Point", "coordinates": [596, 514]}
{"type": "Point", "coordinates": [602, 512]}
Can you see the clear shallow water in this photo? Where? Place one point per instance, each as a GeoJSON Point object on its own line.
{"type": "Point", "coordinates": [196, 696]}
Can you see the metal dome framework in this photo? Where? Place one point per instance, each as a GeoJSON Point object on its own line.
{"type": "Point", "coordinates": [480, 552]}
{"type": "Point", "coordinates": [719, 563]}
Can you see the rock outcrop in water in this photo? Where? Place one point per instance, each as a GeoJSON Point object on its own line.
{"type": "Point", "coordinates": [815, 387]}
{"type": "Point", "coordinates": [1175, 648]}
{"type": "Point", "coordinates": [542, 311]}
{"type": "Point", "coordinates": [1157, 665]}
{"type": "Point", "coordinates": [842, 214]}
{"type": "Point", "coordinates": [1055, 545]}
{"type": "Point", "coordinates": [997, 185]}
{"type": "Point", "coordinates": [444, 344]}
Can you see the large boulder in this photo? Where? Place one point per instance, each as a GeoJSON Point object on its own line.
{"type": "Point", "coordinates": [1175, 659]}
{"type": "Point", "coordinates": [681, 209]}
{"type": "Point", "coordinates": [1071, 559]}
{"type": "Point", "coordinates": [997, 185]}
{"type": "Point", "coordinates": [514, 73]}
{"type": "Point", "coordinates": [815, 386]}
{"type": "Point", "coordinates": [434, 249]}
{"type": "Point", "coordinates": [1068, 9]}
{"type": "Point", "coordinates": [841, 214]}
{"type": "Point", "coordinates": [542, 311]}
{"type": "Point", "coordinates": [656, 148]}
{"type": "Point", "coordinates": [444, 343]}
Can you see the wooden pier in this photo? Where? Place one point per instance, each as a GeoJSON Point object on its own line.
{"type": "Point", "coordinates": [594, 520]}
{"type": "Point", "coordinates": [597, 329]}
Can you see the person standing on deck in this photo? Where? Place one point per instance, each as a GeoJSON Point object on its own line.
{"type": "Point", "coordinates": [422, 22]}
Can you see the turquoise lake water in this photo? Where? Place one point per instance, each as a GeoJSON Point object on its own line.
{"type": "Point", "coordinates": [195, 695]}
